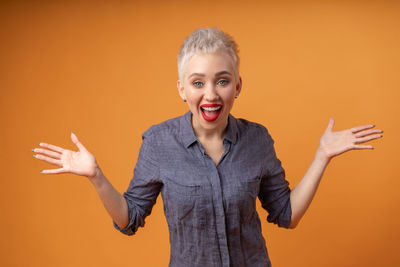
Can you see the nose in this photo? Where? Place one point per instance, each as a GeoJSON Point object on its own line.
{"type": "Point", "coordinates": [211, 94]}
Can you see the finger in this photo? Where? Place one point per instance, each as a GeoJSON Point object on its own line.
{"type": "Point", "coordinates": [368, 132]}
{"type": "Point", "coordinates": [48, 160]}
{"type": "Point", "coordinates": [75, 139]}
{"type": "Point", "coordinates": [363, 147]}
{"type": "Point", "coordinates": [361, 128]}
{"type": "Point", "coordinates": [330, 124]}
{"type": "Point", "coordinates": [53, 171]}
{"type": "Point", "coordinates": [52, 147]}
{"type": "Point", "coordinates": [367, 138]}
{"type": "Point", "coordinates": [46, 152]}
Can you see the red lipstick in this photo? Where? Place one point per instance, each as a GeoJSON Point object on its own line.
{"type": "Point", "coordinates": [210, 112]}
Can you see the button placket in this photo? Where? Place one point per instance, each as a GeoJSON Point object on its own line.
{"type": "Point", "coordinates": [219, 208]}
{"type": "Point", "coordinates": [218, 201]}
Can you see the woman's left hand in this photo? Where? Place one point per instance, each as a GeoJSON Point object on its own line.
{"type": "Point", "coordinates": [333, 144]}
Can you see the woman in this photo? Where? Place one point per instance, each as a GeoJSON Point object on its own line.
{"type": "Point", "coordinates": [209, 166]}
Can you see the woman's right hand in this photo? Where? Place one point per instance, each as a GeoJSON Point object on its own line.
{"type": "Point", "coordinates": [80, 162]}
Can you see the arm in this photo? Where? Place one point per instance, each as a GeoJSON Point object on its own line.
{"type": "Point", "coordinates": [331, 144]}
{"type": "Point", "coordinates": [84, 163]}
{"type": "Point", "coordinates": [303, 193]}
{"type": "Point", "coordinates": [113, 201]}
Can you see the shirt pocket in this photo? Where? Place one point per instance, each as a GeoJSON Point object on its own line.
{"type": "Point", "coordinates": [248, 180]}
{"type": "Point", "coordinates": [246, 185]}
{"type": "Point", "coordinates": [187, 199]}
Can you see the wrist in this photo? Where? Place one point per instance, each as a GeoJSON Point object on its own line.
{"type": "Point", "coordinates": [97, 178]}
{"type": "Point", "coordinates": [322, 156]}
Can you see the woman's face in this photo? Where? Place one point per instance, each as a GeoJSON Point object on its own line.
{"type": "Point", "coordinates": [209, 87]}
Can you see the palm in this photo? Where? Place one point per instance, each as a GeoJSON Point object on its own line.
{"type": "Point", "coordinates": [336, 143]}
{"type": "Point", "coordinates": [81, 162]}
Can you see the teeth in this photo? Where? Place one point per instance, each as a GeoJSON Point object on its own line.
{"type": "Point", "coordinates": [211, 108]}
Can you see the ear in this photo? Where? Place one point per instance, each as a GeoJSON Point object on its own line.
{"type": "Point", "coordinates": [238, 87]}
{"type": "Point", "coordinates": [179, 85]}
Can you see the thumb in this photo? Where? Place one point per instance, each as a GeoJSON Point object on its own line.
{"type": "Point", "coordinates": [75, 139]}
{"type": "Point", "coordinates": [330, 124]}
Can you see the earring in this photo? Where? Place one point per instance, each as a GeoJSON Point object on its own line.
{"type": "Point", "coordinates": [184, 100]}
{"type": "Point", "coordinates": [236, 96]}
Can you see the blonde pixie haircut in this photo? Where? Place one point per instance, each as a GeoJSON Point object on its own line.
{"type": "Point", "coordinates": [207, 40]}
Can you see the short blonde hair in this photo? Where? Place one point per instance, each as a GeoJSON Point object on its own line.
{"type": "Point", "coordinates": [207, 40]}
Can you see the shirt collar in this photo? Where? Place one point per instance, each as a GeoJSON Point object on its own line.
{"type": "Point", "coordinates": [187, 133]}
{"type": "Point", "coordinates": [188, 136]}
{"type": "Point", "coordinates": [232, 130]}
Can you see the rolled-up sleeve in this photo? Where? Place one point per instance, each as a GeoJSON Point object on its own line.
{"type": "Point", "coordinates": [144, 187]}
{"type": "Point", "coordinates": [274, 191]}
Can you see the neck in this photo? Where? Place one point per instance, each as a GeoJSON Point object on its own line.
{"type": "Point", "coordinates": [209, 134]}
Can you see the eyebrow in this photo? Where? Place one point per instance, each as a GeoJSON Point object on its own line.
{"type": "Point", "coordinates": [216, 74]}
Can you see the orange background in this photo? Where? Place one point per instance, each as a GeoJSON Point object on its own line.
{"type": "Point", "coordinates": [107, 71]}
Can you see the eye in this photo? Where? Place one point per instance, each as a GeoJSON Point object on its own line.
{"type": "Point", "coordinates": [198, 84]}
{"type": "Point", "coordinates": [223, 82]}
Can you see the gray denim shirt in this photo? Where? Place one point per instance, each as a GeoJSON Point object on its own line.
{"type": "Point", "coordinates": [210, 210]}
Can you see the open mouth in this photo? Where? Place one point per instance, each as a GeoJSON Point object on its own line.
{"type": "Point", "coordinates": [210, 112]}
